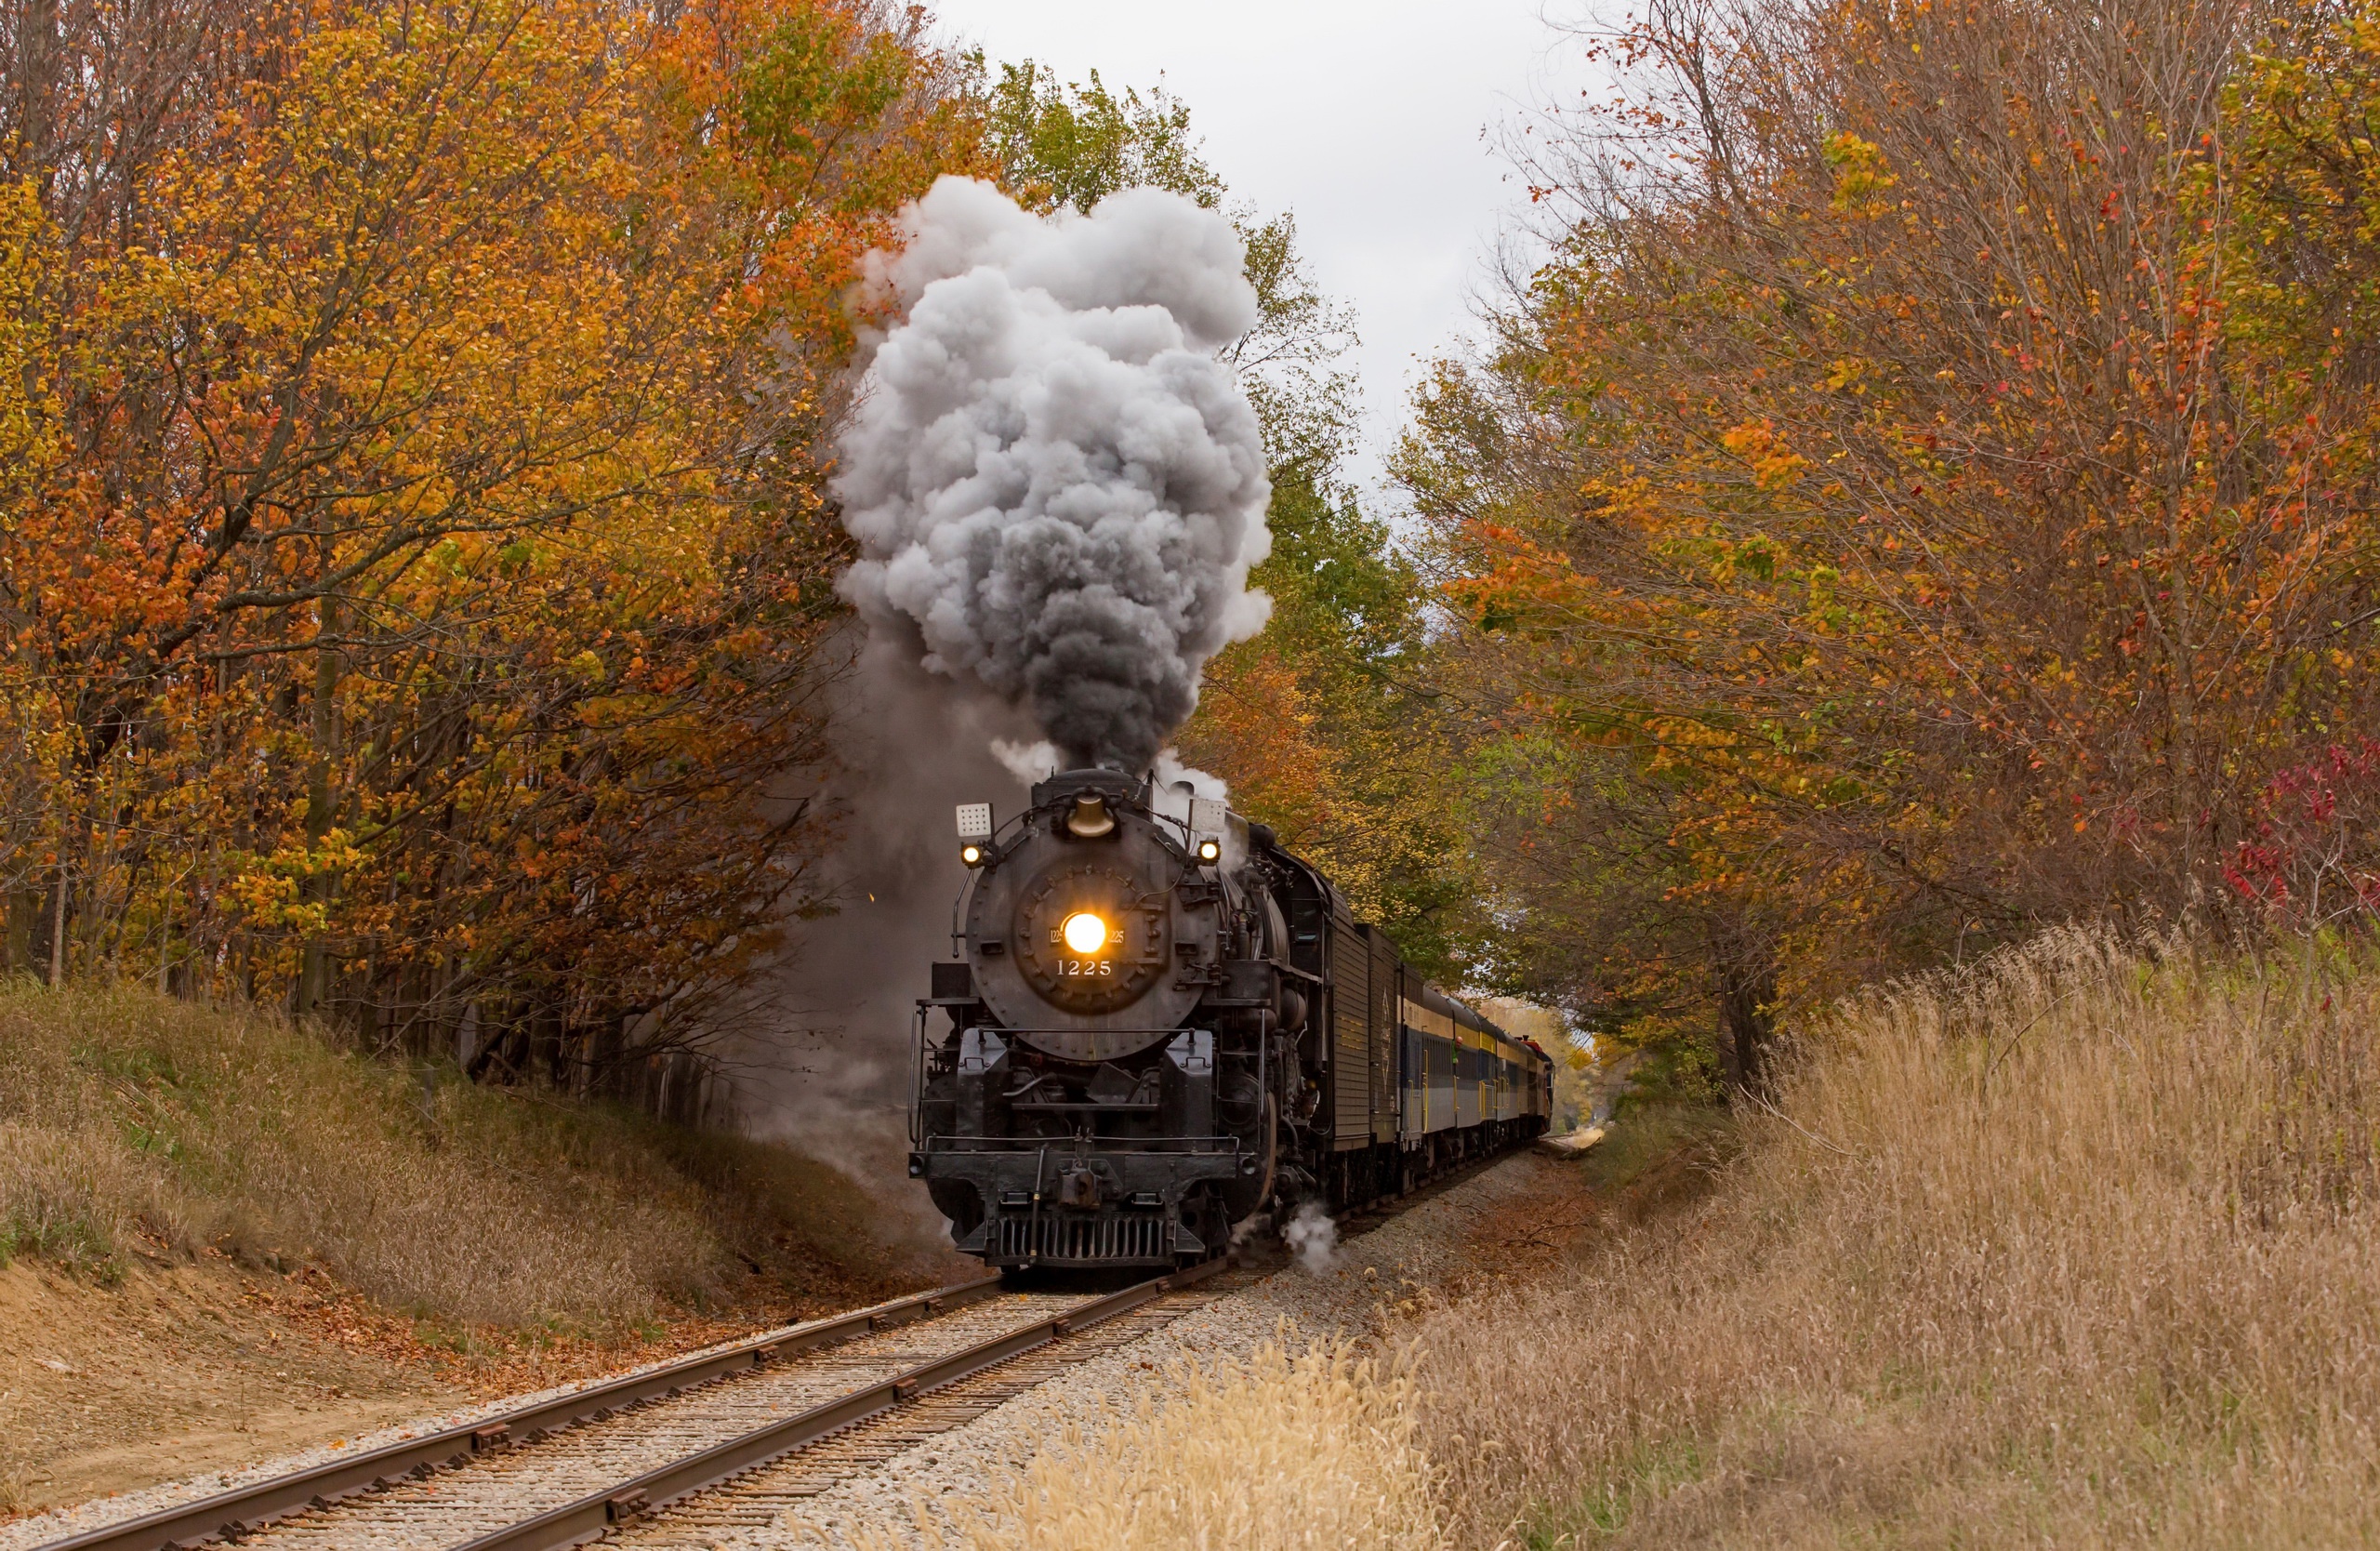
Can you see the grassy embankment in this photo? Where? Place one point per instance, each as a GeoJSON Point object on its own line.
{"type": "Point", "coordinates": [134, 1128]}
{"type": "Point", "coordinates": [2081, 1248]}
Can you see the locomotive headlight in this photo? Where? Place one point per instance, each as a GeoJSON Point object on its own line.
{"type": "Point", "coordinates": [1211, 849]}
{"type": "Point", "coordinates": [1084, 933]}
{"type": "Point", "coordinates": [972, 854]}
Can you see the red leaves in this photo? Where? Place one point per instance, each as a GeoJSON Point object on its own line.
{"type": "Point", "coordinates": [2314, 848]}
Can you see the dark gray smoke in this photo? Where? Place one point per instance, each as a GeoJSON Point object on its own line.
{"type": "Point", "coordinates": [1057, 490]}
{"type": "Point", "coordinates": [1056, 487]}
{"type": "Point", "coordinates": [829, 1068]}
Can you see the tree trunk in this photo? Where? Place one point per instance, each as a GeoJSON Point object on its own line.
{"type": "Point", "coordinates": [322, 812]}
{"type": "Point", "coordinates": [1746, 966]}
{"type": "Point", "coordinates": [58, 933]}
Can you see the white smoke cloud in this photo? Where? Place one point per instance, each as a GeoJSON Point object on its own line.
{"type": "Point", "coordinates": [1178, 783]}
{"type": "Point", "coordinates": [1313, 1238]}
{"type": "Point", "coordinates": [1028, 762]}
{"type": "Point", "coordinates": [1056, 488]}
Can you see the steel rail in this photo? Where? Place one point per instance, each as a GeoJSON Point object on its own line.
{"type": "Point", "coordinates": [576, 1523]}
{"type": "Point", "coordinates": [244, 1509]}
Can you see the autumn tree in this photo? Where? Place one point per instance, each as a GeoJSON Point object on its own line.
{"type": "Point", "coordinates": [420, 557]}
{"type": "Point", "coordinates": [1069, 145]}
{"type": "Point", "coordinates": [1923, 496]}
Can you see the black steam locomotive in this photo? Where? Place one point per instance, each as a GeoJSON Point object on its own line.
{"type": "Point", "coordinates": [1160, 1024]}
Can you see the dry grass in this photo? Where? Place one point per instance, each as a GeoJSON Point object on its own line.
{"type": "Point", "coordinates": [2077, 1248]}
{"type": "Point", "coordinates": [130, 1121]}
{"type": "Point", "coordinates": [1313, 1452]}
{"type": "Point", "coordinates": [1653, 1135]}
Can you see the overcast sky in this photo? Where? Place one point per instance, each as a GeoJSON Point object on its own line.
{"type": "Point", "coordinates": [1370, 118]}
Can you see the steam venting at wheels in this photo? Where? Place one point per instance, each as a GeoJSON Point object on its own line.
{"type": "Point", "coordinates": [1056, 488]}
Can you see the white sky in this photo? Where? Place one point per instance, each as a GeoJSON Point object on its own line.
{"type": "Point", "coordinates": [1364, 116]}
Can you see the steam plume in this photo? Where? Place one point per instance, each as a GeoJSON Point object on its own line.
{"type": "Point", "coordinates": [1057, 491]}
{"type": "Point", "coordinates": [1056, 488]}
{"type": "Point", "coordinates": [1313, 1237]}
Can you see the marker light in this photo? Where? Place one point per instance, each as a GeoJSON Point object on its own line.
{"type": "Point", "coordinates": [1211, 849]}
{"type": "Point", "coordinates": [1084, 933]}
{"type": "Point", "coordinates": [972, 854]}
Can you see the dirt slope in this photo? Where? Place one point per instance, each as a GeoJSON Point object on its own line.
{"type": "Point", "coordinates": [178, 1371]}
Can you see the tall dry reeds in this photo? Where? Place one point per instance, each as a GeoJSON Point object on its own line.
{"type": "Point", "coordinates": [2075, 1248]}
{"type": "Point", "coordinates": [131, 1120]}
{"type": "Point", "coordinates": [1311, 1452]}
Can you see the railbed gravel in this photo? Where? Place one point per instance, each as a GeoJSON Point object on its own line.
{"type": "Point", "coordinates": [487, 1494]}
{"type": "Point", "coordinates": [1420, 1248]}
{"type": "Point", "coordinates": [61, 1523]}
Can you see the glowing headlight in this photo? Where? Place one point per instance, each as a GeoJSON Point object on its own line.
{"type": "Point", "coordinates": [1084, 933]}
{"type": "Point", "coordinates": [972, 854]}
{"type": "Point", "coordinates": [1210, 850]}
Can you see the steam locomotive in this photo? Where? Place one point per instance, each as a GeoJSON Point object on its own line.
{"type": "Point", "coordinates": [1161, 1022]}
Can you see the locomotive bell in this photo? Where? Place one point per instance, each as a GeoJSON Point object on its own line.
{"type": "Point", "coordinates": [1089, 820]}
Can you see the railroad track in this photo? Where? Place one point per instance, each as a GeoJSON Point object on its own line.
{"type": "Point", "coordinates": [761, 1497]}
{"type": "Point", "coordinates": [729, 1438]}
{"type": "Point", "coordinates": [769, 1419]}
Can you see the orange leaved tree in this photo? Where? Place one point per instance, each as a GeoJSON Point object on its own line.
{"type": "Point", "coordinates": [1928, 493]}
{"type": "Point", "coordinates": [416, 560]}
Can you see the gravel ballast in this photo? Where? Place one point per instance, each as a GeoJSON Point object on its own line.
{"type": "Point", "coordinates": [23, 1534]}
{"type": "Point", "coordinates": [1422, 1249]}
